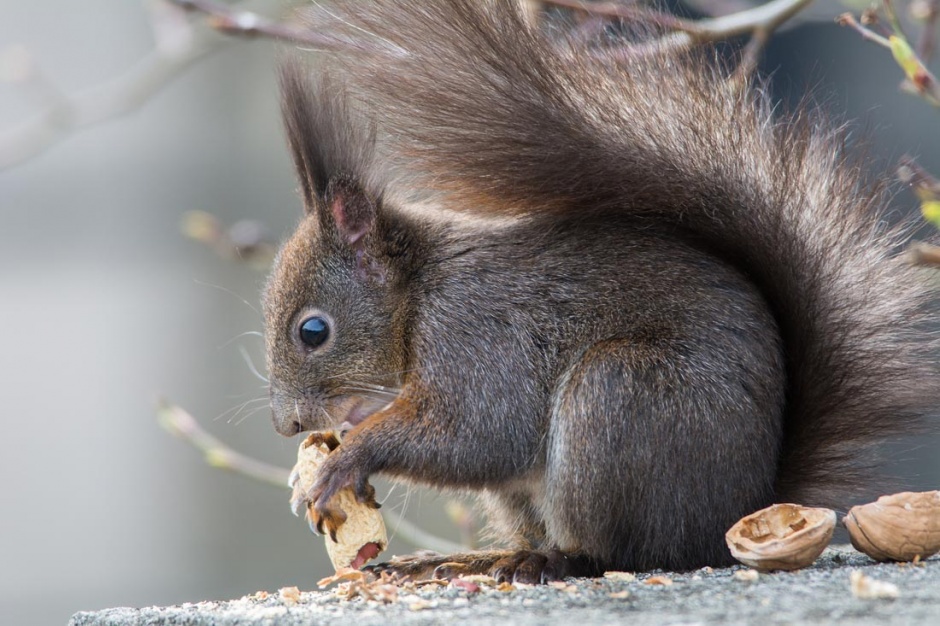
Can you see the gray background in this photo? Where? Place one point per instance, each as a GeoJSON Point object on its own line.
{"type": "Point", "coordinates": [104, 307]}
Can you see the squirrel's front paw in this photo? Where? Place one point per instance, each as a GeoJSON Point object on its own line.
{"type": "Point", "coordinates": [337, 473]}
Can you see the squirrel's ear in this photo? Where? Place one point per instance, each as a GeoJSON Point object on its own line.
{"type": "Point", "coordinates": [349, 214]}
{"type": "Point", "coordinates": [350, 209]}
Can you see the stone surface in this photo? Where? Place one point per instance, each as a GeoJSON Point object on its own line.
{"type": "Point", "coordinates": [817, 595]}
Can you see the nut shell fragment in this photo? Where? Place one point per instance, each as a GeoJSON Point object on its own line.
{"type": "Point", "coordinates": [782, 536]}
{"type": "Point", "coordinates": [900, 527]}
{"type": "Point", "coordinates": [867, 588]}
{"type": "Point", "coordinates": [362, 536]}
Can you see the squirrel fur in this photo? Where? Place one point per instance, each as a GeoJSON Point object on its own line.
{"type": "Point", "coordinates": [668, 307]}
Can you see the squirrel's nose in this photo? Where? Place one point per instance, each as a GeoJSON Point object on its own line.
{"type": "Point", "coordinates": [285, 413]}
{"type": "Point", "coordinates": [288, 427]}
{"type": "Point", "coordinates": [291, 414]}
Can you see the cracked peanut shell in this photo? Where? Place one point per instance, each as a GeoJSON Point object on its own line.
{"type": "Point", "coordinates": [362, 537]}
{"type": "Point", "coordinates": [899, 527]}
{"type": "Point", "coordinates": [781, 537]}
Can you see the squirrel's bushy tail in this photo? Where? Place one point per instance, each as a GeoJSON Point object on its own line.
{"type": "Point", "coordinates": [476, 104]}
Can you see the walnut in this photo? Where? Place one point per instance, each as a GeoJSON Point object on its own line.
{"type": "Point", "coordinates": [900, 527]}
{"type": "Point", "coordinates": [362, 537]}
{"type": "Point", "coordinates": [782, 536]}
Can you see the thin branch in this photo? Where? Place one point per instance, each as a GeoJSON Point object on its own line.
{"type": "Point", "coordinates": [113, 99]}
{"type": "Point", "coordinates": [64, 114]}
{"type": "Point", "coordinates": [928, 37]}
{"type": "Point", "coordinates": [244, 23]}
{"type": "Point", "coordinates": [924, 254]}
{"type": "Point", "coordinates": [750, 57]}
{"type": "Point", "coordinates": [181, 424]}
{"type": "Point", "coordinates": [760, 22]}
{"type": "Point", "coordinates": [248, 24]}
{"type": "Point", "coordinates": [925, 184]}
{"type": "Point", "coordinates": [625, 12]}
{"type": "Point", "coordinates": [766, 17]}
{"type": "Point", "coordinates": [246, 241]}
{"type": "Point", "coordinates": [888, 7]}
{"type": "Point", "coordinates": [847, 19]}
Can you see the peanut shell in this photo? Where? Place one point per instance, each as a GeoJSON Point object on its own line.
{"type": "Point", "coordinates": [781, 537]}
{"type": "Point", "coordinates": [364, 525]}
{"type": "Point", "coordinates": [899, 527]}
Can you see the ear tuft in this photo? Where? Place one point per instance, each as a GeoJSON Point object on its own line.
{"type": "Point", "coordinates": [329, 139]}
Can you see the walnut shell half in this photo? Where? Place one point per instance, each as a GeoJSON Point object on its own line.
{"type": "Point", "coordinates": [362, 536]}
{"type": "Point", "coordinates": [782, 536]}
{"type": "Point", "coordinates": [900, 527]}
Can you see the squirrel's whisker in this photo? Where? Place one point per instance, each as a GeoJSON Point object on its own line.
{"type": "Point", "coordinates": [230, 292]}
{"type": "Point", "coordinates": [253, 411]}
{"type": "Point", "coordinates": [251, 365]}
{"type": "Point", "coordinates": [247, 333]}
{"type": "Point", "coordinates": [235, 410]}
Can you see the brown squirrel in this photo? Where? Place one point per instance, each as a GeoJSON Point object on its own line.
{"type": "Point", "coordinates": [668, 309]}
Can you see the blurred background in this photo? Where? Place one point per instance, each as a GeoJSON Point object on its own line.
{"type": "Point", "coordinates": [105, 306]}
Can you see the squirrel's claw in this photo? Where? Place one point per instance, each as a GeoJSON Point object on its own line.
{"type": "Point", "coordinates": [326, 519]}
{"type": "Point", "coordinates": [298, 506]}
{"type": "Point", "coordinates": [365, 493]}
{"type": "Point", "coordinates": [337, 473]}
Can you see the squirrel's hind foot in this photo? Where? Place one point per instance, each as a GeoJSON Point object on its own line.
{"type": "Point", "coordinates": [531, 567]}
{"type": "Point", "coordinates": [534, 567]}
{"type": "Point", "coordinates": [426, 564]}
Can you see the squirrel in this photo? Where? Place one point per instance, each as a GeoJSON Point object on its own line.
{"type": "Point", "coordinates": [617, 296]}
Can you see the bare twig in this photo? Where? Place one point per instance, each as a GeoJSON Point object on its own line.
{"type": "Point", "coordinates": [178, 47]}
{"type": "Point", "coordinates": [928, 37]}
{"type": "Point", "coordinates": [760, 22]}
{"type": "Point", "coordinates": [180, 423]}
{"type": "Point", "coordinates": [923, 182]}
{"type": "Point", "coordinates": [765, 18]}
{"type": "Point", "coordinates": [64, 114]}
{"type": "Point", "coordinates": [847, 19]}
{"type": "Point", "coordinates": [623, 11]}
{"type": "Point", "coordinates": [888, 7]}
{"type": "Point", "coordinates": [924, 254]}
{"type": "Point", "coordinates": [246, 240]}
{"type": "Point", "coordinates": [927, 189]}
{"type": "Point", "coordinates": [249, 24]}
{"type": "Point", "coordinates": [750, 57]}
{"type": "Point", "coordinates": [118, 97]}
{"type": "Point", "coordinates": [244, 23]}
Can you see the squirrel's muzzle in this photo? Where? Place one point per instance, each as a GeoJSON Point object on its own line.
{"type": "Point", "coordinates": [292, 414]}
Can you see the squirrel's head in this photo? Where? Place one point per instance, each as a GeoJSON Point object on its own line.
{"type": "Point", "coordinates": [334, 310]}
{"type": "Point", "coordinates": [335, 305]}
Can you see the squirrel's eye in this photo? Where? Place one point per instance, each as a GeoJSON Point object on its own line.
{"type": "Point", "coordinates": [314, 331]}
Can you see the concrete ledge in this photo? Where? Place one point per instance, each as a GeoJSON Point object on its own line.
{"type": "Point", "coordinates": [817, 595]}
